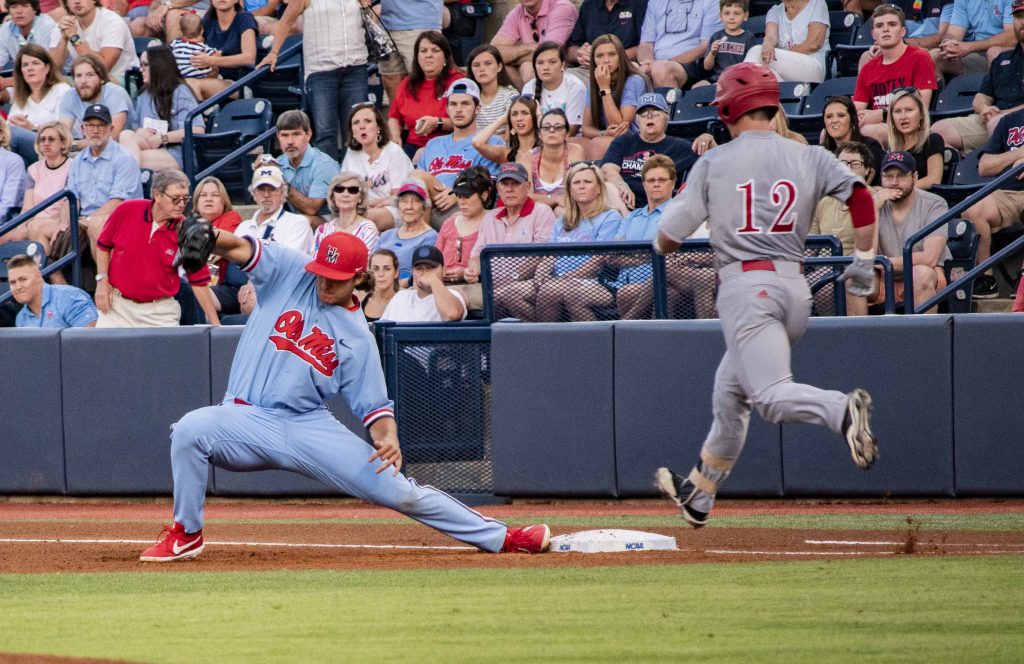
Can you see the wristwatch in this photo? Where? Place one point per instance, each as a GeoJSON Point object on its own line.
{"type": "Point", "coordinates": [440, 124]}
{"type": "Point", "coordinates": [100, 277]}
{"type": "Point", "coordinates": [75, 39]}
{"type": "Point", "coordinates": [605, 92]}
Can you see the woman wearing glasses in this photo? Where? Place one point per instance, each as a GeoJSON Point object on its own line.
{"type": "Point", "coordinates": [485, 67]}
{"type": "Point", "coordinates": [550, 160]}
{"type": "Point", "coordinates": [346, 199]}
{"type": "Point", "coordinates": [381, 163]}
{"type": "Point", "coordinates": [553, 89]}
{"type": "Point", "coordinates": [38, 89]}
{"type": "Point", "coordinates": [476, 194]}
{"type": "Point", "coordinates": [795, 44]}
{"type": "Point", "coordinates": [521, 120]}
{"type": "Point", "coordinates": [587, 218]}
{"type": "Point", "coordinates": [157, 126]}
{"type": "Point", "coordinates": [45, 178]}
{"type": "Point", "coordinates": [909, 126]}
{"type": "Point", "coordinates": [840, 126]}
{"type": "Point", "coordinates": [615, 86]}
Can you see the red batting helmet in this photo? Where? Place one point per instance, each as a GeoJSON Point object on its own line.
{"type": "Point", "coordinates": [743, 88]}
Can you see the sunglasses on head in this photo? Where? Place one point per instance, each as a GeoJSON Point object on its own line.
{"type": "Point", "coordinates": [910, 90]}
{"type": "Point", "coordinates": [589, 162]}
{"type": "Point", "coordinates": [352, 189]}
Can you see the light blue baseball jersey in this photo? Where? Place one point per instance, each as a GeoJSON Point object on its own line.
{"type": "Point", "coordinates": [297, 352]}
{"type": "Point", "coordinates": [444, 158]}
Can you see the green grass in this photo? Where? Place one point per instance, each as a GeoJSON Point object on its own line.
{"type": "Point", "coordinates": [904, 609]}
{"type": "Point", "coordinates": [974, 522]}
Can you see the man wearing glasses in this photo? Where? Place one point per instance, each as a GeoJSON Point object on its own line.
{"type": "Point", "coordinates": [526, 26]}
{"type": "Point", "coordinates": [103, 175]}
{"type": "Point", "coordinates": [136, 278]}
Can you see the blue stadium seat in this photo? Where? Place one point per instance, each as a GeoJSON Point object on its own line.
{"type": "Point", "coordinates": [236, 123]}
{"type": "Point", "coordinates": [847, 56]}
{"type": "Point", "coordinates": [284, 87]}
{"type": "Point", "coordinates": [843, 27]}
{"type": "Point", "coordinates": [146, 174]}
{"type": "Point", "coordinates": [756, 24]}
{"type": "Point", "coordinates": [792, 95]}
{"type": "Point", "coordinates": [966, 180]}
{"type": "Point", "coordinates": [963, 247]}
{"type": "Point", "coordinates": [956, 97]}
{"type": "Point", "coordinates": [692, 112]}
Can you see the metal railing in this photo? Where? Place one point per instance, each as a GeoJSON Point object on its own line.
{"type": "Point", "coordinates": [74, 257]}
{"type": "Point", "coordinates": [188, 147]}
{"type": "Point", "coordinates": [954, 212]}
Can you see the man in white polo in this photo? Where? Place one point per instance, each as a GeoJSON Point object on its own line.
{"type": "Point", "coordinates": [429, 299]}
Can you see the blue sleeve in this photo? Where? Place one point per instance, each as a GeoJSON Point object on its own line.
{"type": "Point", "coordinates": [270, 266]}
{"type": "Point", "coordinates": [79, 309]}
{"type": "Point", "coordinates": [946, 14]}
{"type": "Point", "coordinates": [67, 105]}
{"type": "Point", "coordinates": [623, 227]}
{"type": "Point", "coordinates": [1007, 13]}
{"type": "Point", "coordinates": [118, 100]}
{"type": "Point", "coordinates": [609, 226]}
{"type": "Point", "coordinates": [326, 169]}
{"type": "Point", "coordinates": [711, 22]}
{"type": "Point", "coordinates": [14, 176]}
{"type": "Point", "coordinates": [127, 183]}
{"type": "Point", "coordinates": [556, 229]}
{"type": "Point", "coordinates": [959, 17]}
{"type": "Point", "coordinates": [184, 102]}
{"type": "Point", "coordinates": [649, 30]}
{"type": "Point", "coordinates": [635, 86]}
{"type": "Point", "coordinates": [363, 386]}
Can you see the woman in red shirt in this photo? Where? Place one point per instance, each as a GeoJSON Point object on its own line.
{"type": "Point", "coordinates": [418, 111]}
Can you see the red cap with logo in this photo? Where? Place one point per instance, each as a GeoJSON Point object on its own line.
{"type": "Point", "coordinates": [341, 256]}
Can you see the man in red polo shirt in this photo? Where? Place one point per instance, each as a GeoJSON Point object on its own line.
{"type": "Point", "coordinates": [136, 279]}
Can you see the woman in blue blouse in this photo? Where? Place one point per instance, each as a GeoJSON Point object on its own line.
{"type": "Point", "coordinates": [615, 86]}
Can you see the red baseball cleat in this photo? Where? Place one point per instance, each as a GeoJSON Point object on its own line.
{"type": "Point", "coordinates": [529, 539]}
{"type": "Point", "coordinates": [174, 544]}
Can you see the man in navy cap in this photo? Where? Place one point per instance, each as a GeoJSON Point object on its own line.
{"type": "Point", "coordinates": [428, 299]}
{"type": "Point", "coordinates": [626, 155]}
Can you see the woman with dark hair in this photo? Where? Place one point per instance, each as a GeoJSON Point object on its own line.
{"type": "Point", "coordinates": [549, 161]}
{"type": "Point", "coordinates": [485, 67]}
{"type": "Point", "coordinates": [475, 192]}
{"type": "Point", "coordinates": [840, 120]}
{"type": "Point", "coordinates": [381, 163]}
{"type": "Point", "coordinates": [556, 90]}
{"type": "Point", "coordinates": [418, 110]}
{"type": "Point", "coordinates": [615, 86]}
{"type": "Point", "coordinates": [384, 270]}
{"type": "Point", "coordinates": [38, 89]}
{"type": "Point", "coordinates": [521, 119]}
{"type": "Point", "coordinates": [232, 31]}
{"type": "Point", "coordinates": [158, 122]}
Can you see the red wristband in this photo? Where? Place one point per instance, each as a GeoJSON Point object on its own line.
{"type": "Point", "coordinates": [862, 207]}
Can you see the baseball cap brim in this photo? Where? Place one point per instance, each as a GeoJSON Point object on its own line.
{"type": "Point", "coordinates": [329, 273]}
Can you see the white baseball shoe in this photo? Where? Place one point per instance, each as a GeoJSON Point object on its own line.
{"type": "Point", "coordinates": [857, 429]}
{"type": "Point", "coordinates": [687, 497]}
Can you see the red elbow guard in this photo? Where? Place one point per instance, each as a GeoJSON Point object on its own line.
{"type": "Point", "coordinates": [862, 207]}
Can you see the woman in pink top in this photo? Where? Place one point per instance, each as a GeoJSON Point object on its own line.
{"type": "Point", "coordinates": [46, 177]}
{"type": "Point", "coordinates": [476, 194]}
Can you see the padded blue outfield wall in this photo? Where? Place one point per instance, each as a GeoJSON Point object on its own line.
{"type": "Point", "coordinates": [571, 409]}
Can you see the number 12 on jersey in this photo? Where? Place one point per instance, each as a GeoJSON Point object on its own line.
{"type": "Point", "coordinates": [783, 196]}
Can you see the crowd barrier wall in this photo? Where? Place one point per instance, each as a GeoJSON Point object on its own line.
{"type": "Point", "coordinates": [566, 409]}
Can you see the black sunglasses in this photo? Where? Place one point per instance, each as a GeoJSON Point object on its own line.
{"type": "Point", "coordinates": [349, 190]}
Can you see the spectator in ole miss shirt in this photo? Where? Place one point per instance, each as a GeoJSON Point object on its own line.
{"type": "Point", "coordinates": [898, 65]}
{"type": "Point", "coordinates": [136, 279]}
{"type": "Point", "coordinates": [445, 157]}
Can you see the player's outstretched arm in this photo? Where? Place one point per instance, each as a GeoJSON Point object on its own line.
{"type": "Point", "coordinates": [384, 433]}
{"type": "Point", "coordinates": [236, 249]}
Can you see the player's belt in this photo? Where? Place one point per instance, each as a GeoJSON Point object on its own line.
{"type": "Point", "coordinates": [241, 402]}
{"type": "Point", "coordinates": [785, 268]}
{"type": "Point", "coordinates": [751, 266]}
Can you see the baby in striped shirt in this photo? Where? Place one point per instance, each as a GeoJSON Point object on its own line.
{"type": "Point", "coordinates": [191, 43]}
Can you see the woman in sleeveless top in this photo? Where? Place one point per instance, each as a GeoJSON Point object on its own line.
{"type": "Point", "coordinates": [549, 162]}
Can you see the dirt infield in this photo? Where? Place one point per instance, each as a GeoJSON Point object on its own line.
{"type": "Point", "coordinates": [94, 535]}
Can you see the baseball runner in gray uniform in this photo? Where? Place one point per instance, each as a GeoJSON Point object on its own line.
{"type": "Point", "coordinates": [758, 194]}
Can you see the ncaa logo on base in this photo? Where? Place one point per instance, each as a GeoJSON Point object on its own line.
{"type": "Point", "coordinates": [332, 255]}
{"type": "Point", "coordinates": [634, 546]}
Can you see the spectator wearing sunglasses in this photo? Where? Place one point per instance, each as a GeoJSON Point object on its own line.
{"type": "Point", "coordinates": [346, 198]}
{"type": "Point", "coordinates": [526, 26]}
{"type": "Point", "coordinates": [796, 41]}
{"type": "Point", "coordinates": [675, 35]}
{"type": "Point", "coordinates": [897, 66]}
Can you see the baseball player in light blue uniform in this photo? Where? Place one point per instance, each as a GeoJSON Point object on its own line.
{"type": "Point", "coordinates": [306, 341]}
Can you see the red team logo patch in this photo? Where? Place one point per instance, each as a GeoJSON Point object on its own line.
{"type": "Point", "coordinates": [316, 348]}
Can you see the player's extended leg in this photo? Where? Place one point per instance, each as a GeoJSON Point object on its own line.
{"type": "Point", "coordinates": [321, 448]}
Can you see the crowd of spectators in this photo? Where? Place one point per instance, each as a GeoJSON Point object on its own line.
{"type": "Point", "coordinates": [554, 132]}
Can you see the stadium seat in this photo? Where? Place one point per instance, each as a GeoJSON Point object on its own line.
{"type": "Point", "coordinates": [146, 175]}
{"type": "Point", "coordinates": [9, 250]}
{"type": "Point", "coordinates": [692, 112]}
{"type": "Point", "coordinates": [284, 87]}
{"type": "Point", "coordinates": [375, 93]}
{"type": "Point", "coordinates": [792, 95]}
{"type": "Point", "coordinates": [963, 247]}
{"type": "Point", "coordinates": [847, 56]}
{"type": "Point", "coordinates": [238, 122]}
{"type": "Point", "coordinates": [950, 160]}
{"type": "Point", "coordinates": [843, 27]}
{"type": "Point", "coordinates": [808, 122]}
{"type": "Point", "coordinates": [756, 24]}
{"type": "Point", "coordinates": [966, 180]}
{"type": "Point", "coordinates": [956, 98]}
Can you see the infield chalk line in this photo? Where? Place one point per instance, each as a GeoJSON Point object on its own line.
{"type": "Point", "coordinates": [1005, 545]}
{"type": "Point", "coordinates": [269, 544]}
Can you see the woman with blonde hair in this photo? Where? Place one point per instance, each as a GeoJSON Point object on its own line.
{"type": "Point", "coordinates": [46, 177]}
{"type": "Point", "coordinates": [909, 130]}
{"type": "Point", "coordinates": [346, 197]}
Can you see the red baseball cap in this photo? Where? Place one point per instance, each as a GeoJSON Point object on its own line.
{"type": "Point", "coordinates": [341, 256]}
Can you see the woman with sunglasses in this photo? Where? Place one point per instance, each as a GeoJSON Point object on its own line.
{"type": "Point", "coordinates": [909, 126]}
{"type": "Point", "coordinates": [414, 210]}
{"type": "Point", "coordinates": [587, 218]}
{"type": "Point", "coordinates": [615, 86]}
{"type": "Point", "coordinates": [553, 89]}
{"type": "Point", "coordinates": [485, 67]}
{"type": "Point", "coordinates": [381, 163]}
{"type": "Point", "coordinates": [38, 89]}
{"type": "Point", "coordinates": [795, 44]}
{"type": "Point", "coordinates": [160, 111]}
{"type": "Point", "coordinates": [46, 177]}
{"type": "Point", "coordinates": [550, 160]}
{"type": "Point", "coordinates": [346, 199]}
{"type": "Point", "coordinates": [384, 270]}
{"type": "Point", "coordinates": [521, 120]}
{"type": "Point", "coordinates": [839, 118]}
{"type": "Point", "coordinates": [418, 110]}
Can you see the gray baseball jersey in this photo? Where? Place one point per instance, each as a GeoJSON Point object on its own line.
{"type": "Point", "coordinates": [761, 207]}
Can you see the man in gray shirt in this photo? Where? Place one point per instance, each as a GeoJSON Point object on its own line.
{"type": "Point", "coordinates": [903, 210]}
